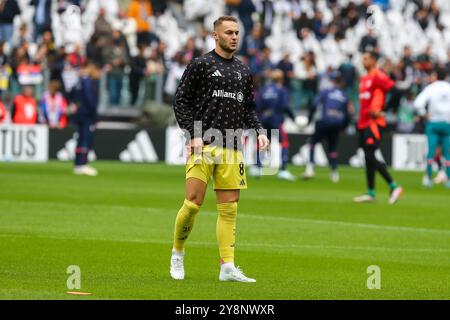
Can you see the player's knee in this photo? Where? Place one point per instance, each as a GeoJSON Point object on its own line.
{"type": "Point", "coordinates": [195, 197]}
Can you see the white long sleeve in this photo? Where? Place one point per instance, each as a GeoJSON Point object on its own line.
{"type": "Point", "coordinates": [437, 97]}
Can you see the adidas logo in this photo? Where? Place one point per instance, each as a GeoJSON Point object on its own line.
{"type": "Point", "coordinates": [242, 182]}
{"type": "Point", "coordinates": [68, 152]}
{"type": "Point", "coordinates": [301, 158]}
{"type": "Point", "coordinates": [358, 160]}
{"type": "Point", "coordinates": [217, 74]}
{"type": "Point", "coordinates": [139, 150]}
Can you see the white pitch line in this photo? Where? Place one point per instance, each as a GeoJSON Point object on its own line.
{"type": "Point", "coordinates": [243, 245]}
{"type": "Point", "coordinates": [269, 217]}
{"type": "Point", "coordinates": [333, 222]}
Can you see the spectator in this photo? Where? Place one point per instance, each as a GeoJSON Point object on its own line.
{"type": "Point", "coordinates": [5, 70]}
{"type": "Point", "coordinates": [94, 50]}
{"type": "Point", "coordinates": [447, 65]}
{"type": "Point", "coordinates": [425, 60]}
{"type": "Point", "coordinates": [3, 55]}
{"type": "Point", "coordinates": [103, 29]}
{"type": "Point", "coordinates": [407, 58]}
{"type": "Point", "coordinates": [348, 72]}
{"type": "Point", "coordinates": [161, 54]}
{"type": "Point", "coordinates": [138, 72]}
{"type": "Point", "coordinates": [46, 52]}
{"type": "Point", "coordinates": [261, 66]}
{"type": "Point", "coordinates": [141, 11]}
{"type": "Point", "coordinates": [57, 64]}
{"type": "Point", "coordinates": [287, 67]}
{"type": "Point", "coordinates": [159, 6]}
{"type": "Point", "coordinates": [18, 57]}
{"type": "Point", "coordinates": [422, 18]}
{"type": "Point", "coordinates": [116, 59]}
{"type": "Point", "coordinates": [266, 12]}
{"type": "Point", "coordinates": [318, 26]}
{"type": "Point", "coordinates": [24, 109]}
{"type": "Point", "coordinates": [205, 42]}
{"type": "Point", "coordinates": [363, 8]}
{"type": "Point", "coordinates": [118, 37]}
{"type": "Point", "coordinates": [308, 74]}
{"type": "Point", "coordinates": [3, 112]}
{"type": "Point", "coordinates": [369, 42]}
{"type": "Point", "coordinates": [254, 42]}
{"type": "Point", "coordinates": [9, 9]}
{"type": "Point", "coordinates": [174, 75]}
{"type": "Point", "coordinates": [54, 107]}
{"type": "Point", "coordinates": [190, 51]}
{"type": "Point", "coordinates": [406, 118]}
{"type": "Point", "coordinates": [156, 64]}
{"type": "Point", "coordinates": [42, 17]}
{"type": "Point", "coordinates": [302, 23]}
{"type": "Point", "coordinates": [70, 73]}
{"type": "Point", "coordinates": [245, 9]}
{"type": "Point", "coordinates": [21, 37]}
{"type": "Point", "coordinates": [352, 17]}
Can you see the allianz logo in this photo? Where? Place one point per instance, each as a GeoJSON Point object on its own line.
{"type": "Point", "coordinates": [230, 95]}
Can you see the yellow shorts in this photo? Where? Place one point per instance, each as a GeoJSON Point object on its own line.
{"type": "Point", "coordinates": [226, 166]}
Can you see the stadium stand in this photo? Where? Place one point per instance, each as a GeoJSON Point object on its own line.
{"type": "Point", "coordinates": [307, 39]}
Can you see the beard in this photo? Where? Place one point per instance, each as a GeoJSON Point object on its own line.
{"type": "Point", "coordinates": [226, 47]}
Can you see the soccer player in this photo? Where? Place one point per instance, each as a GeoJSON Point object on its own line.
{"type": "Point", "coordinates": [272, 105]}
{"type": "Point", "coordinates": [216, 90]}
{"type": "Point", "coordinates": [434, 104]}
{"type": "Point", "coordinates": [331, 112]}
{"type": "Point", "coordinates": [87, 92]}
{"type": "Point", "coordinates": [372, 94]}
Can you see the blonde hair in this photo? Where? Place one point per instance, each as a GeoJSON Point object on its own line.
{"type": "Point", "coordinates": [221, 19]}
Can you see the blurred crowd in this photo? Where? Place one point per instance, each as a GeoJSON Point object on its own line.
{"type": "Point", "coordinates": [44, 43]}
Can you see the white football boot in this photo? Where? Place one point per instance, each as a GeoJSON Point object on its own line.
{"type": "Point", "coordinates": [232, 273]}
{"type": "Point", "coordinates": [177, 266]}
{"type": "Point", "coordinates": [286, 175]}
{"type": "Point", "coordinates": [309, 171]}
{"type": "Point", "coordinates": [255, 171]}
{"type": "Point", "coordinates": [427, 182]}
{"type": "Point", "coordinates": [334, 176]}
{"type": "Point", "coordinates": [365, 198]}
{"type": "Point", "coordinates": [85, 170]}
{"type": "Point", "coordinates": [441, 177]}
{"type": "Point", "coordinates": [395, 195]}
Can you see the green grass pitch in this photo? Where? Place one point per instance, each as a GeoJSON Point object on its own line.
{"type": "Point", "coordinates": [302, 240]}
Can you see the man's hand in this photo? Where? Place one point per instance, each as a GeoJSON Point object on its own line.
{"type": "Point", "coordinates": [377, 114]}
{"type": "Point", "coordinates": [197, 145]}
{"type": "Point", "coordinates": [197, 149]}
{"type": "Point", "coordinates": [263, 142]}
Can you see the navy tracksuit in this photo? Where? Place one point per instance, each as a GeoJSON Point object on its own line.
{"type": "Point", "coordinates": [87, 93]}
{"type": "Point", "coordinates": [272, 104]}
{"type": "Point", "coordinates": [330, 112]}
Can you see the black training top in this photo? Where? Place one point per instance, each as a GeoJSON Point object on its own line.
{"type": "Point", "coordinates": [219, 93]}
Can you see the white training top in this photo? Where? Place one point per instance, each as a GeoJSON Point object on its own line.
{"type": "Point", "coordinates": [437, 96]}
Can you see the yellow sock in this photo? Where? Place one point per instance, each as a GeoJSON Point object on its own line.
{"type": "Point", "coordinates": [226, 230]}
{"type": "Point", "coordinates": [184, 223]}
